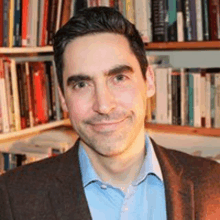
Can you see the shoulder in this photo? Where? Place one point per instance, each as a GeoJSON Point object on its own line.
{"type": "Point", "coordinates": [196, 168]}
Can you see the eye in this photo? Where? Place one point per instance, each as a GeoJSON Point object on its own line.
{"type": "Point", "coordinates": [120, 78]}
{"type": "Point", "coordinates": [80, 85]}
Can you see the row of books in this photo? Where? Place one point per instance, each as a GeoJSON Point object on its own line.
{"type": "Point", "coordinates": [187, 97]}
{"type": "Point", "coordinates": [10, 160]}
{"type": "Point", "coordinates": [185, 20]}
{"type": "Point", "coordinates": [28, 94]}
{"type": "Point", "coordinates": [34, 22]}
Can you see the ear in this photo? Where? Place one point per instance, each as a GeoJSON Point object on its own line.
{"type": "Point", "coordinates": [150, 82]}
{"type": "Point", "coordinates": [62, 100]}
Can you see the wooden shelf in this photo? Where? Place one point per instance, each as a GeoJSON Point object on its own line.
{"type": "Point", "coordinates": [18, 50]}
{"type": "Point", "coordinates": [203, 45]}
{"type": "Point", "coordinates": [214, 132]}
{"type": "Point", "coordinates": [32, 131]}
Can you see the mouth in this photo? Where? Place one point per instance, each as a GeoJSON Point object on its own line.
{"type": "Point", "coordinates": [107, 126]}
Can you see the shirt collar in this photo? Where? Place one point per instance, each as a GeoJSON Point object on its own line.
{"type": "Point", "coordinates": [150, 165]}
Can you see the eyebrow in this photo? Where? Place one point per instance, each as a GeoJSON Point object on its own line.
{"type": "Point", "coordinates": [115, 70]}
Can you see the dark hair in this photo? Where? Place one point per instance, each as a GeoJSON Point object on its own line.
{"type": "Point", "coordinates": [97, 20]}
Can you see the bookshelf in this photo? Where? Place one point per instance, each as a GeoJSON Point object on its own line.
{"type": "Point", "coordinates": [25, 50]}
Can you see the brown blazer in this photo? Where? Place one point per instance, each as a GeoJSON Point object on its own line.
{"type": "Point", "coordinates": [52, 189]}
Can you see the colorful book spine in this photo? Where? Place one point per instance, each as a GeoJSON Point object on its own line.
{"type": "Point", "coordinates": [172, 20]}
{"type": "Point", "coordinates": [17, 24]}
{"type": "Point", "coordinates": [130, 14]}
{"type": "Point", "coordinates": [213, 19]}
{"type": "Point", "coordinates": [205, 20]}
{"type": "Point", "coordinates": [11, 23]}
{"type": "Point", "coordinates": [65, 15]}
{"type": "Point", "coordinates": [24, 22]}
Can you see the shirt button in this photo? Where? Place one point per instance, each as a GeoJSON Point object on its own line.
{"type": "Point", "coordinates": [103, 186]}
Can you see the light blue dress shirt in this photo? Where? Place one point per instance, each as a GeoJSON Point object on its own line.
{"type": "Point", "coordinates": [144, 199]}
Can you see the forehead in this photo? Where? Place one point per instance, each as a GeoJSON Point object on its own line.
{"type": "Point", "coordinates": [97, 53]}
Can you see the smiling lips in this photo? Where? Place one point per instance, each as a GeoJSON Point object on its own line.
{"type": "Point", "coordinates": [107, 126]}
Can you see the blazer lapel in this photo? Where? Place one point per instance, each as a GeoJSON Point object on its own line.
{"type": "Point", "coordinates": [66, 192]}
{"type": "Point", "coordinates": [178, 191]}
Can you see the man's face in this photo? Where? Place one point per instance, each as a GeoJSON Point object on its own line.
{"type": "Point", "coordinates": [105, 93]}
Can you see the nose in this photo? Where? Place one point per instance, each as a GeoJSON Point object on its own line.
{"type": "Point", "coordinates": [104, 101]}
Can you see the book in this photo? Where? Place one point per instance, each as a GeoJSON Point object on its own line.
{"type": "Point", "coordinates": [11, 23]}
{"type": "Point", "coordinates": [17, 24]}
{"type": "Point", "coordinates": [65, 14]}
{"type": "Point", "coordinates": [29, 94]}
{"type": "Point", "coordinates": [203, 97]}
{"type": "Point", "coordinates": [16, 104]}
{"type": "Point", "coordinates": [172, 20]}
{"type": "Point", "coordinates": [5, 23]}
{"type": "Point", "coordinates": [161, 95]}
{"type": "Point", "coordinates": [9, 95]}
{"type": "Point", "coordinates": [3, 103]}
{"type": "Point", "coordinates": [208, 100]}
{"type": "Point", "coordinates": [193, 21]}
{"type": "Point", "coordinates": [159, 18]}
{"type": "Point", "coordinates": [197, 98]}
{"type": "Point", "coordinates": [180, 21]}
{"type": "Point", "coordinates": [205, 20]}
{"type": "Point", "coordinates": [169, 96]}
{"type": "Point", "coordinates": [217, 100]}
{"type": "Point", "coordinates": [199, 20]}
{"type": "Point", "coordinates": [213, 19]}
{"type": "Point", "coordinates": [1, 22]}
{"type": "Point", "coordinates": [176, 96]}
{"type": "Point", "coordinates": [191, 97]}
{"type": "Point", "coordinates": [59, 8]}
{"type": "Point", "coordinates": [212, 99]}
{"type": "Point", "coordinates": [130, 13]}
{"type": "Point", "coordinates": [24, 22]}
{"type": "Point", "coordinates": [141, 19]}
{"type": "Point", "coordinates": [105, 3]}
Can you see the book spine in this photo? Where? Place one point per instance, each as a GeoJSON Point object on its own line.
{"type": "Point", "coordinates": [193, 22]}
{"type": "Point", "coordinates": [4, 106]}
{"type": "Point", "coordinates": [9, 96]}
{"type": "Point", "coordinates": [169, 97]}
{"type": "Point", "coordinates": [212, 100]}
{"type": "Point", "coordinates": [172, 24]}
{"type": "Point", "coordinates": [197, 99]}
{"type": "Point", "coordinates": [65, 15]}
{"type": "Point", "coordinates": [158, 20]}
{"type": "Point", "coordinates": [44, 25]}
{"type": "Point", "coordinates": [17, 24]}
{"type": "Point", "coordinates": [21, 96]}
{"type": "Point", "coordinates": [29, 93]}
{"type": "Point", "coordinates": [52, 21]}
{"type": "Point", "coordinates": [187, 23]}
{"type": "Point", "coordinates": [199, 20]}
{"type": "Point", "coordinates": [217, 100]}
{"type": "Point", "coordinates": [178, 97]}
{"type": "Point", "coordinates": [141, 19]}
{"type": "Point", "coordinates": [183, 96]}
{"type": "Point", "coordinates": [59, 8]}
{"type": "Point", "coordinates": [213, 19]}
{"type": "Point", "coordinates": [205, 23]}
{"type": "Point", "coordinates": [40, 23]}
{"type": "Point", "coordinates": [130, 14]}
{"type": "Point", "coordinates": [191, 99]}
{"type": "Point", "coordinates": [15, 96]}
{"type": "Point", "coordinates": [203, 97]}
{"type": "Point", "coordinates": [105, 3]}
{"type": "Point", "coordinates": [11, 23]}
{"type": "Point", "coordinates": [208, 101]}
{"type": "Point", "coordinates": [180, 21]}
{"type": "Point", "coordinates": [5, 23]}
{"type": "Point", "coordinates": [1, 23]}
{"type": "Point", "coordinates": [24, 22]}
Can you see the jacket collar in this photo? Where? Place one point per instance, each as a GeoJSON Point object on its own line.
{"type": "Point", "coordinates": [69, 202]}
{"type": "Point", "coordinates": [179, 191]}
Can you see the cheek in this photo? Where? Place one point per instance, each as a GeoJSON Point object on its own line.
{"type": "Point", "coordinates": [78, 109]}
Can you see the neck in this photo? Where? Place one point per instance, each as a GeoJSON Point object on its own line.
{"type": "Point", "coordinates": [120, 170]}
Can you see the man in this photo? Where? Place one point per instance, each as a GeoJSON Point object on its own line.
{"type": "Point", "coordinates": [114, 170]}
